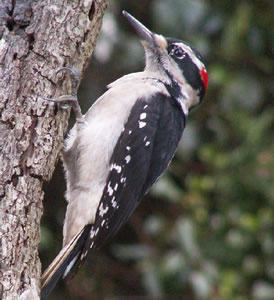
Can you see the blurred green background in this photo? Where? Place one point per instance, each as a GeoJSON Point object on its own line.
{"type": "Point", "coordinates": [206, 230]}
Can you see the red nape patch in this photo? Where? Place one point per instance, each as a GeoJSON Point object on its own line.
{"type": "Point", "coordinates": [204, 77]}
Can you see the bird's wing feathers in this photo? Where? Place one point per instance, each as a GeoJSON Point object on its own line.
{"type": "Point", "coordinates": [136, 163]}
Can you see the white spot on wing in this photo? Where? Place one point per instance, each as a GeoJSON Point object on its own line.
{"type": "Point", "coordinates": [123, 179]}
{"type": "Point", "coordinates": [93, 233]}
{"type": "Point", "coordinates": [145, 106]}
{"type": "Point", "coordinates": [127, 159]}
{"type": "Point", "coordinates": [116, 167]}
{"type": "Point", "coordinates": [128, 148]}
{"type": "Point", "coordinates": [143, 116]}
{"type": "Point", "coordinates": [102, 212]}
{"type": "Point", "coordinates": [142, 124]}
{"type": "Point", "coordinates": [147, 143]}
{"type": "Point", "coordinates": [116, 187]}
{"type": "Point", "coordinates": [110, 189]}
{"type": "Point", "coordinates": [113, 202]}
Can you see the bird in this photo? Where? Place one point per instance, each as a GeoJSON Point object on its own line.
{"type": "Point", "coordinates": [117, 151]}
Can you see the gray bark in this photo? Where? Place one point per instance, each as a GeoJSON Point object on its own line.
{"type": "Point", "coordinates": [36, 38]}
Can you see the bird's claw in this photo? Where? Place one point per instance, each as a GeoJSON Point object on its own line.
{"type": "Point", "coordinates": [62, 99]}
{"type": "Point", "coordinates": [74, 78]}
{"type": "Point", "coordinates": [69, 99]}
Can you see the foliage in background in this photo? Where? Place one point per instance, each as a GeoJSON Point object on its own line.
{"type": "Point", "coordinates": [206, 231]}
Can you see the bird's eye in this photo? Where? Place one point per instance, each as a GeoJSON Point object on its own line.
{"type": "Point", "coordinates": [178, 52]}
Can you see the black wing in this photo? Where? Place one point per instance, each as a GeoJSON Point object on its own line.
{"type": "Point", "coordinates": [142, 153]}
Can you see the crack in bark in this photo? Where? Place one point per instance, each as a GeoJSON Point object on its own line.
{"type": "Point", "coordinates": [92, 10]}
{"type": "Point", "coordinates": [31, 40]}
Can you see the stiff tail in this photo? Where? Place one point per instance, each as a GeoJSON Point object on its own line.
{"type": "Point", "coordinates": [64, 262]}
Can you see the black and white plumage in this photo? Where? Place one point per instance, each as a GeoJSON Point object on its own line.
{"type": "Point", "coordinates": [118, 149]}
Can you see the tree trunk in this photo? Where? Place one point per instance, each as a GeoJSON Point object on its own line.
{"type": "Point", "coordinates": [36, 38]}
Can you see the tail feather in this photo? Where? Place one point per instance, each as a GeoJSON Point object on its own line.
{"type": "Point", "coordinates": [64, 262]}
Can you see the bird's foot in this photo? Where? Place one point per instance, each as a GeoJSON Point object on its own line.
{"type": "Point", "coordinates": [70, 99]}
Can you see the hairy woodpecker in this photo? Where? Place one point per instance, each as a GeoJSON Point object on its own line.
{"type": "Point", "coordinates": [120, 147]}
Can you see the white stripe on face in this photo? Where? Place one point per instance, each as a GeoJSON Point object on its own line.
{"type": "Point", "coordinates": [192, 55]}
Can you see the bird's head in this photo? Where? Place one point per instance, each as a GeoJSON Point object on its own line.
{"type": "Point", "coordinates": [180, 63]}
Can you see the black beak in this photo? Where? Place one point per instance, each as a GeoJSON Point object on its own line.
{"type": "Point", "coordinates": [153, 40]}
{"type": "Point", "coordinates": [144, 33]}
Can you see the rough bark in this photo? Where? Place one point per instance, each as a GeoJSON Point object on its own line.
{"type": "Point", "coordinates": [36, 38]}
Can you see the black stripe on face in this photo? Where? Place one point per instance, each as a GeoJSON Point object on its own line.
{"type": "Point", "coordinates": [189, 69]}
